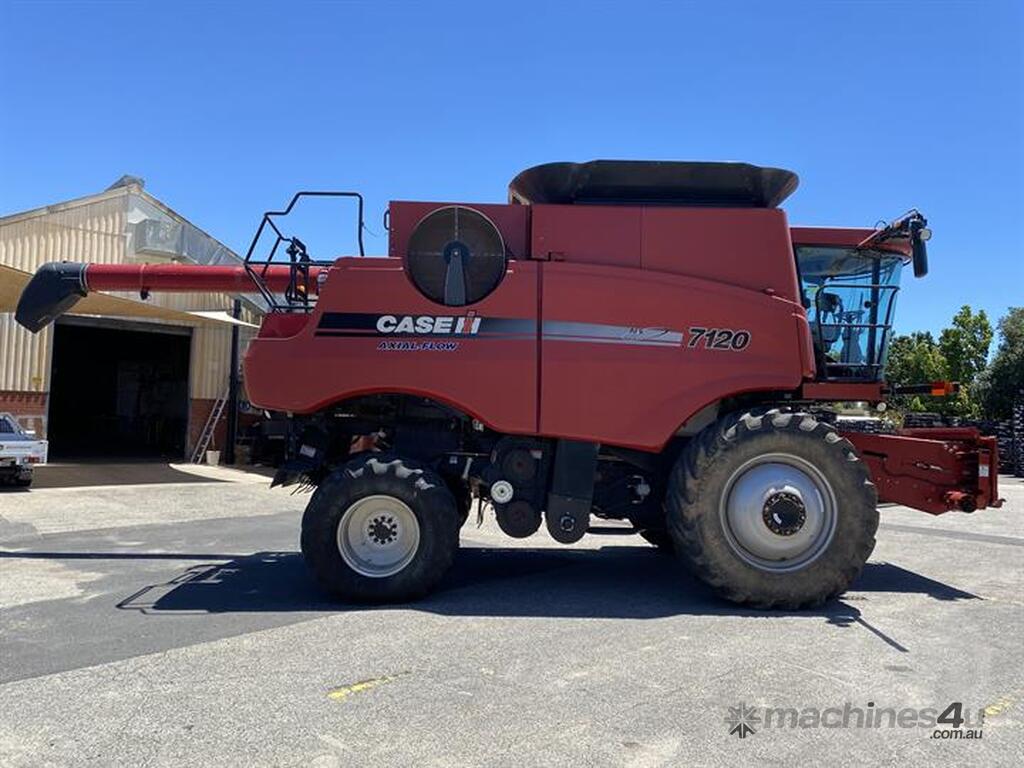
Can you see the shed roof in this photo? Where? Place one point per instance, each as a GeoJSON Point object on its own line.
{"type": "Point", "coordinates": [123, 187]}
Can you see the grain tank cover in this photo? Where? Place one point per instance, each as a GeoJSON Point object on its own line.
{"type": "Point", "coordinates": [653, 182]}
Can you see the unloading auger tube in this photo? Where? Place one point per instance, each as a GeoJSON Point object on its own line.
{"type": "Point", "coordinates": [58, 286]}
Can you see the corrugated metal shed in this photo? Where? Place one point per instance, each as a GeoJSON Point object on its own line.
{"type": "Point", "coordinates": [107, 228]}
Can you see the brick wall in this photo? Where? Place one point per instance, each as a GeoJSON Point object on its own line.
{"type": "Point", "coordinates": [30, 410]}
{"type": "Point", "coordinates": [28, 407]}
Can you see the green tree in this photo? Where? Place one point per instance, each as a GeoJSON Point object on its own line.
{"type": "Point", "coordinates": [914, 359]}
{"type": "Point", "coordinates": [965, 345]}
{"type": "Point", "coordinates": [1003, 381]}
{"type": "Point", "coordinates": [959, 355]}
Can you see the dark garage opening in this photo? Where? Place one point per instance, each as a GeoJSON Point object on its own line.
{"type": "Point", "coordinates": [118, 393]}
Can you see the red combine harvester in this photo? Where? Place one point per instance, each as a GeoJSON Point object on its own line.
{"type": "Point", "coordinates": [640, 341]}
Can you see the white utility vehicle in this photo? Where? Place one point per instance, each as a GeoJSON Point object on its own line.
{"type": "Point", "coordinates": [20, 451]}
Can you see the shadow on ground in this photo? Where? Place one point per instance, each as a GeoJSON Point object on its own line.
{"type": "Point", "coordinates": [85, 474]}
{"type": "Point", "coordinates": [612, 582]}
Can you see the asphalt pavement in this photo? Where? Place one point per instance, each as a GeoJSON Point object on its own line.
{"type": "Point", "coordinates": [165, 622]}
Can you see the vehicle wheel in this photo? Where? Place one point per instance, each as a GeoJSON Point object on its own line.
{"type": "Point", "coordinates": [22, 482]}
{"type": "Point", "coordinates": [380, 529]}
{"type": "Point", "coordinates": [659, 538]}
{"type": "Point", "coordinates": [773, 510]}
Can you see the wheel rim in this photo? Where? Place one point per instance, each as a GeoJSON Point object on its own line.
{"type": "Point", "coordinates": [778, 512]}
{"type": "Point", "coordinates": [378, 536]}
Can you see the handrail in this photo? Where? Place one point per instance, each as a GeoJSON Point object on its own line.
{"type": "Point", "coordinates": [298, 290]}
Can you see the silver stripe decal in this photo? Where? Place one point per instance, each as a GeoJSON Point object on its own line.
{"type": "Point", "coordinates": [620, 342]}
{"type": "Point", "coordinates": [599, 333]}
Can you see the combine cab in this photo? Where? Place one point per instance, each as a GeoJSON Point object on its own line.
{"type": "Point", "coordinates": [640, 341]}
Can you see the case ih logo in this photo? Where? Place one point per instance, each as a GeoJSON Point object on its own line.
{"type": "Point", "coordinates": [428, 325]}
{"type": "Point", "coordinates": [363, 324]}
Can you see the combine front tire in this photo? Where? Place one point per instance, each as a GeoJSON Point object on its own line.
{"type": "Point", "coordinates": [772, 510]}
{"type": "Point", "coordinates": [380, 529]}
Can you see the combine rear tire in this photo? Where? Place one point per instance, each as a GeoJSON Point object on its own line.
{"type": "Point", "coordinates": [773, 510]}
{"type": "Point", "coordinates": [380, 529]}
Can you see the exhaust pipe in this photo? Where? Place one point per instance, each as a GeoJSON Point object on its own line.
{"type": "Point", "coordinates": [56, 287]}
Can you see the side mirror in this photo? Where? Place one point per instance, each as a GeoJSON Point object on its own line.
{"type": "Point", "coordinates": [919, 235]}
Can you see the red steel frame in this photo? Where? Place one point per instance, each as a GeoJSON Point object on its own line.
{"type": "Point", "coordinates": [934, 470]}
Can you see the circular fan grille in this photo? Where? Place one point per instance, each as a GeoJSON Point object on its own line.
{"type": "Point", "coordinates": [455, 256]}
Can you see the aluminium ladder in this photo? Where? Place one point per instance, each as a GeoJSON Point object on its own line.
{"type": "Point", "coordinates": [206, 436]}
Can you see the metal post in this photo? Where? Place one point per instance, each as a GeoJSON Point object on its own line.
{"type": "Point", "coordinates": [232, 405]}
{"type": "Point", "coordinates": [876, 275]}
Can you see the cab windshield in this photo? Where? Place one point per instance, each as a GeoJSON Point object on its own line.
{"type": "Point", "coordinates": [850, 297]}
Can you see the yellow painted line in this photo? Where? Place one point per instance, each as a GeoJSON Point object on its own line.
{"type": "Point", "coordinates": [345, 691]}
{"type": "Point", "coordinates": [999, 707]}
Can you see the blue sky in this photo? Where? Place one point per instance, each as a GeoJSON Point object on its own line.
{"type": "Point", "coordinates": [225, 109]}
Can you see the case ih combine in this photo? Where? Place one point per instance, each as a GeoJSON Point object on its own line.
{"type": "Point", "coordinates": [639, 341]}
